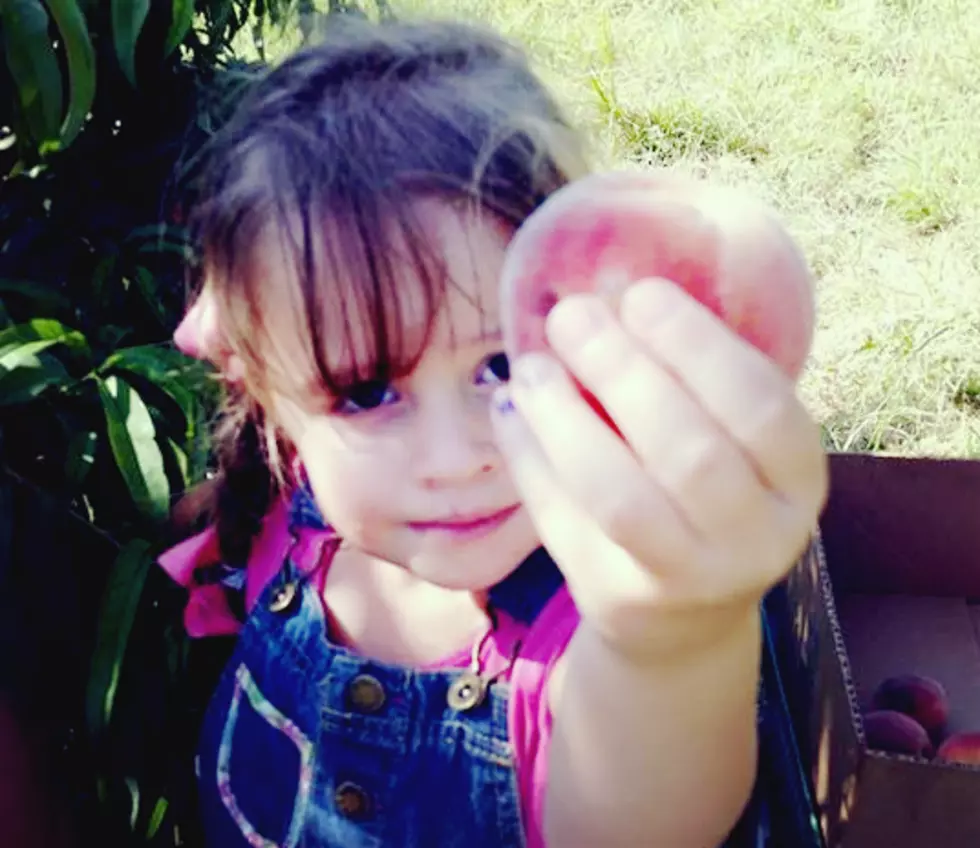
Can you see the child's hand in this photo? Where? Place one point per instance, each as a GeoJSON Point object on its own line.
{"type": "Point", "coordinates": [668, 537]}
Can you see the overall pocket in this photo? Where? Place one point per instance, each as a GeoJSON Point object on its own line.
{"type": "Point", "coordinates": [264, 767]}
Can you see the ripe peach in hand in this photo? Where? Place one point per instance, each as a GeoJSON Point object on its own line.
{"type": "Point", "coordinates": [887, 730]}
{"type": "Point", "coordinates": [961, 748]}
{"type": "Point", "coordinates": [918, 697]}
{"type": "Point", "coordinates": [608, 230]}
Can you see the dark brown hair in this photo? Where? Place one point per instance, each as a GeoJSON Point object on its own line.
{"type": "Point", "coordinates": [330, 152]}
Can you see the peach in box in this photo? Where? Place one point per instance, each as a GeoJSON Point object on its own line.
{"type": "Point", "coordinates": [887, 730]}
{"type": "Point", "coordinates": [920, 697]}
{"type": "Point", "coordinates": [962, 748]}
{"type": "Point", "coordinates": [889, 588]}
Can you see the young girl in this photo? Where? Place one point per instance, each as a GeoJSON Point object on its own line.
{"type": "Point", "coordinates": [468, 613]}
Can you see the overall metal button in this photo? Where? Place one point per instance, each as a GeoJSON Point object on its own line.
{"type": "Point", "coordinates": [352, 801]}
{"type": "Point", "coordinates": [366, 694]}
{"type": "Point", "coordinates": [283, 599]}
{"type": "Point", "coordinates": [466, 691]}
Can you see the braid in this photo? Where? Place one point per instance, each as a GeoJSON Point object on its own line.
{"type": "Point", "coordinates": [247, 483]}
{"type": "Point", "coordinates": [237, 497]}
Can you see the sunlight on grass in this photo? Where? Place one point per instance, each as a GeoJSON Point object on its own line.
{"type": "Point", "coordinates": [857, 120]}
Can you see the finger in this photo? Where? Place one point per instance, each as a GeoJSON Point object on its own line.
{"type": "Point", "coordinates": [562, 523]}
{"type": "Point", "coordinates": [704, 472]}
{"type": "Point", "coordinates": [738, 385]}
{"type": "Point", "coordinates": [593, 564]}
{"type": "Point", "coordinates": [597, 468]}
{"type": "Point", "coordinates": [604, 575]}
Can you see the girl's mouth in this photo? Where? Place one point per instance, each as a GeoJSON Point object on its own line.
{"type": "Point", "coordinates": [466, 526]}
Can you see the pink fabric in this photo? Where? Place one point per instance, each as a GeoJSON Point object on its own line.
{"type": "Point", "coordinates": [207, 612]}
{"type": "Point", "coordinates": [542, 644]}
{"type": "Point", "coordinates": [529, 716]}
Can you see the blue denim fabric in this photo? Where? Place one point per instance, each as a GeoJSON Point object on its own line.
{"type": "Point", "coordinates": [289, 756]}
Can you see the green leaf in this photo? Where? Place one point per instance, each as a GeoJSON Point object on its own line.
{"type": "Point", "coordinates": [179, 375]}
{"type": "Point", "coordinates": [128, 17]}
{"type": "Point", "coordinates": [33, 66]}
{"type": "Point", "coordinates": [134, 800]}
{"type": "Point", "coordinates": [120, 601]}
{"type": "Point", "coordinates": [182, 461]}
{"type": "Point", "coordinates": [156, 819]}
{"type": "Point", "coordinates": [101, 277]}
{"type": "Point", "coordinates": [185, 380]}
{"type": "Point", "coordinates": [111, 336]}
{"type": "Point", "coordinates": [24, 376]}
{"type": "Point", "coordinates": [81, 456]}
{"type": "Point", "coordinates": [153, 361]}
{"type": "Point", "coordinates": [38, 335]}
{"type": "Point", "coordinates": [158, 232]}
{"type": "Point", "coordinates": [147, 285]}
{"type": "Point", "coordinates": [162, 247]}
{"type": "Point", "coordinates": [188, 382]}
{"type": "Point", "coordinates": [81, 65]}
{"type": "Point", "coordinates": [40, 295]}
{"type": "Point", "coordinates": [181, 20]}
{"type": "Point", "coordinates": [25, 370]}
{"type": "Point", "coordinates": [132, 436]}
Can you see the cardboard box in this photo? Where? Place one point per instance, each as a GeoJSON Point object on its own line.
{"type": "Point", "coordinates": [892, 585]}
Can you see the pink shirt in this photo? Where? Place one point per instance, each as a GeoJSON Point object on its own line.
{"type": "Point", "coordinates": [542, 642]}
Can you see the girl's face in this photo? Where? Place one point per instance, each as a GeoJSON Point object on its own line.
{"type": "Point", "coordinates": [408, 471]}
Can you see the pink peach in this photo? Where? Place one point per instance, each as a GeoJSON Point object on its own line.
{"type": "Point", "coordinates": [887, 730]}
{"type": "Point", "coordinates": [607, 230]}
{"type": "Point", "coordinates": [961, 747]}
{"type": "Point", "coordinates": [918, 696]}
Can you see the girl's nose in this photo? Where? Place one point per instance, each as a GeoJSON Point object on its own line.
{"type": "Point", "coordinates": [198, 336]}
{"type": "Point", "coordinates": [456, 448]}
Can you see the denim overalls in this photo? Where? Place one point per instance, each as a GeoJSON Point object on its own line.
{"type": "Point", "coordinates": [307, 744]}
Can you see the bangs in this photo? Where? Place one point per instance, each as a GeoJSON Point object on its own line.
{"type": "Point", "coordinates": [312, 195]}
{"type": "Point", "coordinates": [359, 282]}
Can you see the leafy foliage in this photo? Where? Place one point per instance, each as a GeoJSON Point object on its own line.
{"type": "Point", "coordinates": [104, 107]}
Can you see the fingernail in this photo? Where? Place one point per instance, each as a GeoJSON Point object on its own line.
{"type": "Point", "coordinates": [611, 282]}
{"type": "Point", "coordinates": [534, 369]}
{"type": "Point", "coordinates": [648, 300]}
{"type": "Point", "coordinates": [502, 401]}
{"type": "Point", "coordinates": [575, 319]}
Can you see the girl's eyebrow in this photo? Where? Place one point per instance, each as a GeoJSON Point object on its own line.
{"type": "Point", "coordinates": [494, 335]}
{"type": "Point", "coordinates": [341, 377]}
{"type": "Point", "coordinates": [350, 375]}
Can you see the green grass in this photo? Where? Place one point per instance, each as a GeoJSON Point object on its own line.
{"type": "Point", "coordinates": [858, 120]}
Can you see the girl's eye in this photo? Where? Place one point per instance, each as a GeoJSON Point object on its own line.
{"type": "Point", "coordinates": [363, 397]}
{"type": "Point", "coordinates": [495, 369]}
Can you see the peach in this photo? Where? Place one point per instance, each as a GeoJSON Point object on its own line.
{"type": "Point", "coordinates": [961, 748]}
{"type": "Point", "coordinates": [920, 697]}
{"type": "Point", "coordinates": [607, 230]}
{"type": "Point", "coordinates": [897, 733]}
